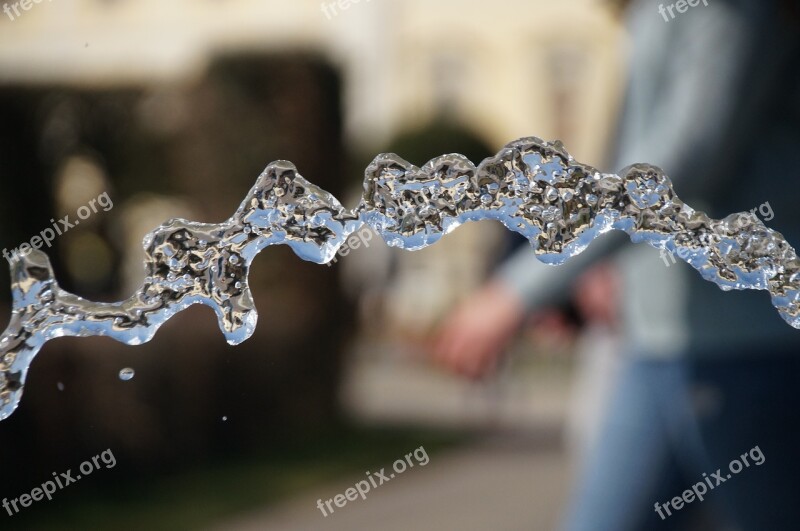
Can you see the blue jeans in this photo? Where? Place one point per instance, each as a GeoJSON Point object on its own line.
{"type": "Point", "coordinates": [669, 422]}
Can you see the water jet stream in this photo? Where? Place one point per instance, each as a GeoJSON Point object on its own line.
{"type": "Point", "coordinates": [532, 187]}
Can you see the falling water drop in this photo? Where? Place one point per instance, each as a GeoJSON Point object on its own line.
{"type": "Point", "coordinates": [126, 374]}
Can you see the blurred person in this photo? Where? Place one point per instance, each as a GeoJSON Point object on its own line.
{"type": "Point", "coordinates": [597, 352]}
{"type": "Point", "coordinates": [706, 376]}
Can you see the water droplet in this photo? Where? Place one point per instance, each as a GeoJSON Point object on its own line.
{"type": "Point", "coordinates": [233, 259]}
{"type": "Point", "coordinates": [60, 386]}
{"type": "Point", "coordinates": [550, 214]}
{"type": "Point", "coordinates": [486, 199]}
{"type": "Point", "coordinates": [126, 374]}
{"type": "Point", "coordinates": [224, 419]}
{"type": "Point", "coordinates": [535, 210]}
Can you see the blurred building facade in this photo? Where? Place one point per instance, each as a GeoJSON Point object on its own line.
{"type": "Point", "coordinates": [542, 67]}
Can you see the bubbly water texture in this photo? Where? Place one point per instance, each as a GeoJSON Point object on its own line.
{"type": "Point", "coordinates": [533, 187]}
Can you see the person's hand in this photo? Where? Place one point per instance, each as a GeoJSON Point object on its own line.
{"type": "Point", "coordinates": [596, 295]}
{"type": "Point", "coordinates": [551, 330]}
{"type": "Point", "coordinates": [472, 339]}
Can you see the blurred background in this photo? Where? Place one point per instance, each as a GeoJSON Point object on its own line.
{"type": "Point", "coordinates": [173, 109]}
